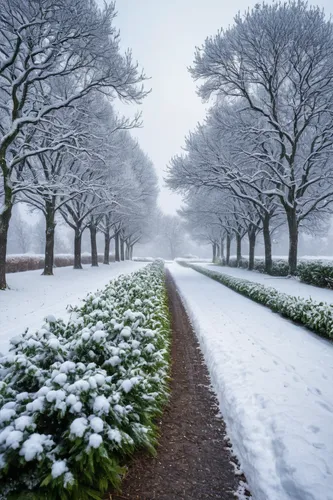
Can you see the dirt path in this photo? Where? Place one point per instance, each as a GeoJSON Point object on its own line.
{"type": "Point", "coordinates": [193, 462]}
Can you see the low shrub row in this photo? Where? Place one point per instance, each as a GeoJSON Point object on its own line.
{"type": "Point", "coordinates": [30, 262]}
{"type": "Point", "coordinates": [280, 266]}
{"type": "Point", "coordinates": [317, 316]}
{"type": "Point", "coordinates": [77, 399]}
{"type": "Point", "coordinates": [316, 272]}
{"type": "Point", "coordinates": [313, 272]}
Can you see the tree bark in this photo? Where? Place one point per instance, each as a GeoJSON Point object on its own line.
{"type": "Point", "coordinates": [77, 249]}
{"type": "Point", "coordinates": [93, 243]}
{"type": "Point", "coordinates": [293, 240]}
{"type": "Point", "coordinates": [127, 251]}
{"type": "Point", "coordinates": [238, 249]}
{"type": "Point", "coordinates": [222, 250]}
{"type": "Point", "coordinates": [49, 240]}
{"type": "Point", "coordinates": [116, 247]}
{"type": "Point", "coordinates": [4, 226]}
{"type": "Point", "coordinates": [106, 247]}
{"type": "Point", "coordinates": [214, 252]}
{"type": "Point", "coordinates": [252, 245]}
{"type": "Point", "coordinates": [122, 249]}
{"type": "Point", "coordinates": [268, 245]}
{"type": "Point", "coordinates": [228, 245]}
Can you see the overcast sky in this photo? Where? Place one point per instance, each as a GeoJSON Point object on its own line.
{"type": "Point", "coordinates": [162, 35]}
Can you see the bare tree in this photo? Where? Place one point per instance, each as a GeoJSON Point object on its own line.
{"type": "Point", "coordinates": [42, 41]}
{"type": "Point", "coordinates": [277, 62]}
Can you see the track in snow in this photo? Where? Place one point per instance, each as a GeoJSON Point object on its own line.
{"type": "Point", "coordinates": [291, 286]}
{"type": "Point", "coordinates": [273, 380]}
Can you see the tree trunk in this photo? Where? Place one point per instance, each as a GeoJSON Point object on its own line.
{"type": "Point", "coordinates": [293, 240]}
{"type": "Point", "coordinates": [238, 249]}
{"type": "Point", "coordinates": [127, 252]}
{"type": "Point", "coordinates": [106, 247]}
{"type": "Point", "coordinates": [217, 252]}
{"type": "Point", "coordinates": [122, 249]}
{"type": "Point", "coordinates": [228, 245]}
{"type": "Point", "coordinates": [77, 249]}
{"type": "Point", "coordinates": [4, 226]}
{"type": "Point", "coordinates": [49, 240]}
{"type": "Point", "coordinates": [116, 247]}
{"type": "Point", "coordinates": [268, 245]}
{"type": "Point", "coordinates": [93, 243]}
{"type": "Point", "coordinates": [222, 250]}
{"type": "Point", "coordinates": [214, 252]}
{"type": "Point", "coordinates": [131, 252]}
{"type": "Point", "coordinates": [252, 245]}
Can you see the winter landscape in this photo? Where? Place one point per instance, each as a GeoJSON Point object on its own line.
{"type": "Point", "coordinates": [166, 250]}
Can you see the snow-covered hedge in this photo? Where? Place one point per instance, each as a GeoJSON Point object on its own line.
{"type": "Point", "coordinates": [279, 268]}
{"type": "Point", "coordinates": [316, 272]}
{"type": "Point", "coordinates": [317, 316]}
{"type": "Point", "coordinates": [28, 262]}
{"type": "Point", "coordinates": [76, 399]}
{"type": "Point", "coordinates": [311, 271]}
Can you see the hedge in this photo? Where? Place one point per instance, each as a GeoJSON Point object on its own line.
{"type": "Point", "coordinates": [317, 316]}
{"type": "Point", "coordinates": [280, 267]}
{"type": "Point", "coordinates": [313, 272]}
{"type": "Point", "coordinates": [29, 262]}
{"type": "Point", "coordinates": [77, 399]}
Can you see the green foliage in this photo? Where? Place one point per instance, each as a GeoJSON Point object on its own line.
{"type": "Point", "coordinates": [77, 399]}
{"type": "Point", "coordinates": [279, 268]}
{"type": "Point", "coordinates": [316, 272]}
{"type": "Point", "coordinates": [317, 316]}
{"type": "Point", "coordinates": [313, 272]}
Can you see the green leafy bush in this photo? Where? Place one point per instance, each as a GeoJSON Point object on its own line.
{"type": "Point", "coordinates": [316, 272]}
{"type": "Point", "coordinates": [312, 272]}
{"type": "Point", "coordinates": [317, 316]}
{"type": "Point", "coordinates": [76, 399]}
{"type": "Point", "coordinates": [280, 266]}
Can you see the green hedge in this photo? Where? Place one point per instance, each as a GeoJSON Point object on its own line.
{"type": "Point", "coordinates": [313, 272]}
{"type": "Point", "coordinates": [317, 316]}
{"type": "Point", "coordinates": [77, 399]}
{"type": "Point", "coordinates": [316, 272]}
{"type": "Point", "coordinates": [279, 268]}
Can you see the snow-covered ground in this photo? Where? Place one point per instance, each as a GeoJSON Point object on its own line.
{"type": "Point", "coordinates": [274, 384]}
{"type": "Point", "coordinates": [291, 286]}
{"type": "Point", "coordinates": [32, 297]}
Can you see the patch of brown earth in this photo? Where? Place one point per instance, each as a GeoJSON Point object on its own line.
{"type": "Point", "coordinates": [193, 459]}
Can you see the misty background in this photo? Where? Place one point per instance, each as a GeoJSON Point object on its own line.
{"type": "Point", "coordinates": [163, 37]}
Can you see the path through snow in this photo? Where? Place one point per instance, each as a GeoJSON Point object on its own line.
{"type": "Point", "coordinates": [274, 384]}
{"type": "Point", "coordinates": [32, 297]}
{"type": "Point", "coordinates": [291, 286]}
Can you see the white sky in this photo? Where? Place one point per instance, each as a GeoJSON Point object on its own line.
{"type": "Point", "coordinates": [162, 35]}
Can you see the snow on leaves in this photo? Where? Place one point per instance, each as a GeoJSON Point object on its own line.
{"type": "Point", "coordinates": [77, 394]}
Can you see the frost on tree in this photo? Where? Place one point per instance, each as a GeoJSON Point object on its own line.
{"type": "Point", "coordinates": [44, 45]}
{"type": "Point", "coordinates": [275, 67]}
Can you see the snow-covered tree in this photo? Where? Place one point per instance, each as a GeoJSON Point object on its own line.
{"type": "Point", "coordinates": [40, 42]}
{"type": "Point", "coordinates": [276, 61]}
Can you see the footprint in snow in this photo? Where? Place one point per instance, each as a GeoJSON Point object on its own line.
{"type": "Point", "coordinates": [325, 406]}
{"type": "Point", "coordinates": [319, 446]}
{"type": "Point", "coordinates": [314, 390]}
{"type": "Point", "coordinates": [314, 429]}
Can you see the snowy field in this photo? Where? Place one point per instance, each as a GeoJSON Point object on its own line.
{"type": "Point", "coordinates": [32, 297]}
{"type": "Point", "coordinates": [274, 384]}
{"type": "Point", "coordinates": [291, 286]}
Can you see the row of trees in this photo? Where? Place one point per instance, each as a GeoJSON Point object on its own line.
{"type": "Point", "coordinates": [263, 156]}
{"type": "Point", "coordinates": [63, 150]}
